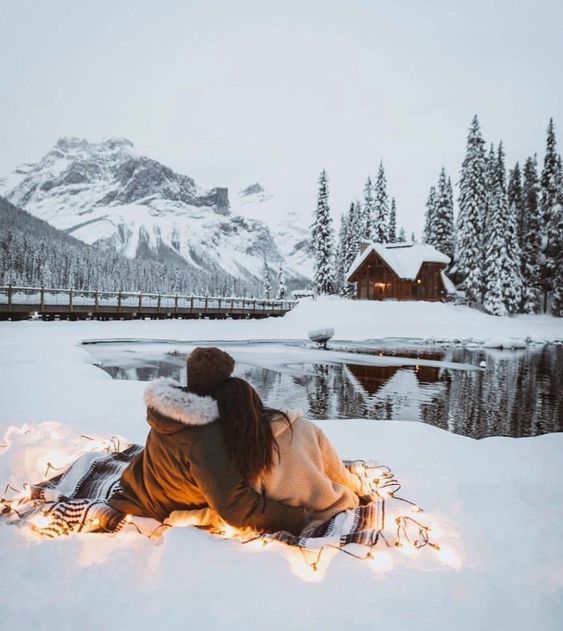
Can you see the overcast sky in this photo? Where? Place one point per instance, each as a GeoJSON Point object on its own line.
{"type": "Point", "coordinates": [233, 92]}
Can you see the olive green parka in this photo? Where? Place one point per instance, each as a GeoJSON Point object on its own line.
{"type": "Point", "coordinates": [185, 466]}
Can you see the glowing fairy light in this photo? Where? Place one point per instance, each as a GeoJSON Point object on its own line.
{"type": "Point", "coordinates": [229, 532]}
{"type": "Point", "coordinates": [406, 535]}
{"type": "Point", "coordinates": [40, 521]}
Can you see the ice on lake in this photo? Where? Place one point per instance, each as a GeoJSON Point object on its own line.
{"type": "Point", "coordinates": [471, 391]}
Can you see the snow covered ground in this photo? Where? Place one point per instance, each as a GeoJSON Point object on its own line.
{"type": "Point", "coordinates": [496, 505]}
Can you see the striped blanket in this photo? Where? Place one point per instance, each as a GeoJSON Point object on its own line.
{"type": "Point", "coordinates": [75, 501]}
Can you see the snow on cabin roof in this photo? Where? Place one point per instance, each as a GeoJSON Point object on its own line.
{"type": "Point", "coordinates": [404, 260]}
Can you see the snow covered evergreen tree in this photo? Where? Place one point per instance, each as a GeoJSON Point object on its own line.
{"type": "Point", "coordinates": [516, 200]}
{"type": "Point", "coordinates": [402, 236]}
{"type": "Point", "coordinates": [351, 236]}
{"type": "Point", "coordinates": [501, 269]}
{"type": "Point", "coordinates": [392, 230]}
{"type": "Point", "coordinates": [322, 241]}
{"type": "Point", "coordinates": [355, 229]}
{"type": "Point", "coordinates": [511, 272]}
{"type": "Point", "coordinates": [342, 254]}
{"type": "Point", "coordinates": [440, 216]}
{"type": "Point", "coordinates": [549, 201]}
{"type": "Point", "coordinates": [530, 239]}
{"type": "Point", "coordinates": [491, 173]}
{"type": "Point", "coordinates": [428, 233]}
{"type": "Point", "coordinates": [472, 204]}
{"type": "Point", "coordinates": [282, 289]}
{"type": "Point", "coordinates": [367, 222]}
{"type": "Point", "coordinates": [266, 280]}
{"type": "Point", "coordinates": [381, 207]}
{"type": "Point", "coordinates": [557, 229]}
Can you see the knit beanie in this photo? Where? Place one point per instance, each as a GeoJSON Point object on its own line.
{"type": "Point", "coordinates": [207, 368]}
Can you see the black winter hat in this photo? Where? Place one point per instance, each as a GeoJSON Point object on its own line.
{"type": "Point", "coordinates": [207, 368]}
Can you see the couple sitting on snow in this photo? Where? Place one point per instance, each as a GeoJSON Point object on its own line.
{"type": "Point", "coordinates": [214, 446]}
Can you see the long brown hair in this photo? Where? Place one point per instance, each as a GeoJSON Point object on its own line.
{"type": "Point", "coordinates": [246, 427]}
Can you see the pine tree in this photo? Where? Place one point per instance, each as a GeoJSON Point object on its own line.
{"type": "Point", "coordinates": [549, 198]}
{"type": "Point", "coordinates": [445, 216]}
{"type": "Point", "coordinates": [516, 199]}
{"type": "Point", "coordinates": [381, 207]}
{"type": "Point", "coordinates": [502, 261]}
{"type": "Point", "coordinates": [282, 289]}
{"type": "Point", "coordinates": [428, 234]}
{"type": "Point", "coordinates": [392, 230]}
{"type": "Point", "coordinates": [350, 237]}
{"type": "Point", "coordinates": [355, 229]}
{"type": "Point", "coordinates": [511, 272]}
{"type": "Point", "coordinates": [557, 229]}
{"type": "Point", "coordinates": [491, 172]}
{"type": "Point", "coordinates": [440, 216]}
{"type": "Point", "coordinates": [322, 241]}
{"type": "Point", "coordinates": [402, 236]}
{"type": "Point", "coordinates": [342, 255]}
{"type": "Point", "coordinates": [367, 221]}
{"type": "Point", "coordinates": [530, 241]}
{"type": "Point", "coordinates": [472, 205]}
{"type": "Point", "coordinates": [266, 279]}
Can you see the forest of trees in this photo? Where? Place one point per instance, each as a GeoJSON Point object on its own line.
{"type": "Point", "coordinates": [34, 254]}
{"type": "Point", "coordinates": [506, 243]}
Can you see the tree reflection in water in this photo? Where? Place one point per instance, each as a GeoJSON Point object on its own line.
{"type": "Point", "coordinates": [518, 393]}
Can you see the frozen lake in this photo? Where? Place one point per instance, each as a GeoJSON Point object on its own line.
{"type": "Point", "coordinates": [469, 391]}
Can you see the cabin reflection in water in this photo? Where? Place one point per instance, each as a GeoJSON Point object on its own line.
{"type": "Point", "coordinates": [372, 378]}
{"type": "Point", "coordinates": [517, 394]}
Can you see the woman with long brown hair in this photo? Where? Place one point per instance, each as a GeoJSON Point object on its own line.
{"type": "Point", "coordinates": [282, 454]}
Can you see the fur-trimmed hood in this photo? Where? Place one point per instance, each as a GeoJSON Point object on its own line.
{"type": "Point", "coordinates": [171, 407]}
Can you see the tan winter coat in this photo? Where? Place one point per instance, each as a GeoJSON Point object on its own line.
{"type": "Point", "coordinates": [185, 466]}
{"type": "Point", "coordinates": [309, 473]}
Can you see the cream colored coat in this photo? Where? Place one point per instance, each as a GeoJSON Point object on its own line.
{"type": "Point", "coordinates": [309, 472]}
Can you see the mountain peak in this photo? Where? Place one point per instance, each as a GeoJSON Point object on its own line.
{"type": "Point", "coordinates": [72, 144]}
{"type": "Point", "coordinates": [253, 189]}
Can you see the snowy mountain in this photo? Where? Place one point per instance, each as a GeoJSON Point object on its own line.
{"type": "Point", "coordinates": [106, 194]}
{"type": "Point", "coordinates": [289, 228]}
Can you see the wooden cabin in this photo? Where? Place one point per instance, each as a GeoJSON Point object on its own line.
{"type": "Point", "coordinates": [402, 272]}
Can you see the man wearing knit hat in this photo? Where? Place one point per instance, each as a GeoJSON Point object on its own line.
{"type": "Point", "coordinates": [185, 464]}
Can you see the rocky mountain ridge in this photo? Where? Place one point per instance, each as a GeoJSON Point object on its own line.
{"type": "Point", "coordinates": [108, 195]}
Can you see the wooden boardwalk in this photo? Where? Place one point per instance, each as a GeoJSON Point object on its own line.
{"type": "Point", "coordinates": [19, 303]}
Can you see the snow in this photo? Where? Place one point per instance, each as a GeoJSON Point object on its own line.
{"type": "Point", "coordinates": [448, 285]}
{"type": "Point", "coordinates": [495, 505]}
{"type": "Point", "coordinates": [504, 342]}
{"type": "Point", "coordinates": [321, 335]}
{"type": "Point", "coordinates": [260, 224]}
{"type": "Point", "coordinates": [289, 226]}
{"type": "Point", "coordinates": [404, 260]}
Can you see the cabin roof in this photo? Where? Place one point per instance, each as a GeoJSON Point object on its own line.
{"type": "Point", "coordinates": [404, 260]}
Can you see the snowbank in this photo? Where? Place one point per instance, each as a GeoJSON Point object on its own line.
{"type": "Point", "coordinates": [351, 319]}
{"type": "Point", "coordinates": [505, 343]}
{"type": "Point", "coordinates": [496, 503]}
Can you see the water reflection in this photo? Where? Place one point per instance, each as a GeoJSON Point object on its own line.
{"type": "Point", "coordinates": [518, 393]}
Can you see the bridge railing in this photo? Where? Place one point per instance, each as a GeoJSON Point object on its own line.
{"type": "Point", "coordinates": [47, 298]}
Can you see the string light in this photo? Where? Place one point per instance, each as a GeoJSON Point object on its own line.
{"type": "Point", "coordinates": [379, 479]}
{"type": "Point", "coordinates": [40, 521]}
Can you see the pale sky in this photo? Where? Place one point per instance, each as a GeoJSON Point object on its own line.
{"type": "Point", "coordinates": [233, 92]}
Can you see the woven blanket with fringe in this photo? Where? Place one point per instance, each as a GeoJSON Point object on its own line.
{"type": "Point", "coordinates": [76, 500]}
